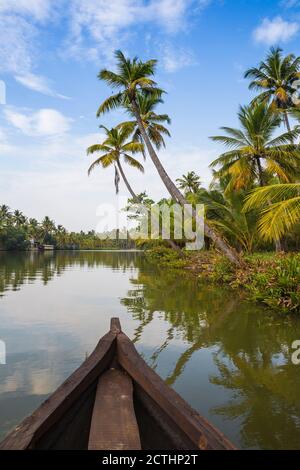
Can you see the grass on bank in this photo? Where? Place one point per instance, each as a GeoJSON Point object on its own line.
{"type": "Point", "coordinates": [271, 278]}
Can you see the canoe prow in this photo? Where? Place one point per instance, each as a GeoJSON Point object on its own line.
{"type": "Point", "coordinates": [114, 400]}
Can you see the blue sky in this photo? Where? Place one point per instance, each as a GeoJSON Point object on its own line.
{"type": "Point", "coordinates": [49, 59]}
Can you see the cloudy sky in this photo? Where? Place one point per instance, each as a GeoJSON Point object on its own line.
{"type": "Point", "coordinates": [49, 59]}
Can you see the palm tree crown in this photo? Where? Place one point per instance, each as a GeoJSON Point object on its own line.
{"type": "Point", "coordinates": [274, 78]}
{"type": "Point", "coordinates": [152, 121]}
{"type": "Point", "coordinates": [132, 75]}
{"type": "Point", "coordinates": [254, 154]}
{"type": "Point", "coordinates": [19, 218]}
{"type": "Point", "coordinates": [189, 183]}
{"type": "Point", "coordinates": [115, 146]}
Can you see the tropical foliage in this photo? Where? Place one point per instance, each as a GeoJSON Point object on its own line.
{"type": "Point", "coordinates": [255, 155]}
{"type": "Point", "coordinates": [274, 78]}
{"type": "Point", "coordinates": [189, 183]}
{"type": "Point", "coordinates": [280, 205]}
{"type": "Point", "coordinates": [152, 122]}
{"type": "Point", "coordinates": [135, 79]}
{"type": "Point", "coordinates": [114, 147]}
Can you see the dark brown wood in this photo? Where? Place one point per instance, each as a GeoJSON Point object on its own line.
{"type": "Point", "coordinates": [115, 325]}
{"type": "Point", "coordinates": [100, 408]}
{"type": "Point", "coordinates": [26, 434]}
{"type": "Point", "coordinates": [203, 435]}
{"type": "Point", "coordinates": [73, 429]}
{"type": "Point", "coordinates": [157, 430]}
{"type": "Point", "coordinates": [114, 424]}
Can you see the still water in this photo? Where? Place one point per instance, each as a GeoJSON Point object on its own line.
{"type": "Point", "coordinates": [230, 359]}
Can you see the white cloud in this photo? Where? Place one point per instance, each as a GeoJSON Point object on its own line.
{"type": "Point", "coordinates": [19, 28]}
{"type": "Point", "coordinates": [97, 28]}
{"type": "Point", "coordinates": [45, 122]}
{"type": "Point", "coordinates": [289, 3]}
{"type": "Point", "coordinates": [93, 30]}
{"type": "Point", "coordinates": [38, 9]}
{"type": "Point", "coordinates": [38, 83]}
{"type": "Point", "coordinates": [175, 59]}
{"type": "Point", "coordinates": [16, 39]}
{"type": "Point", "coordinates": [49, 176]}
{"type": "Point", "coordinates": [275, 31]}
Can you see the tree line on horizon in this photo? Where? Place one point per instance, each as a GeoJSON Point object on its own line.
{"type": "Point", "coordinates": [18, 232]}
{"type": "Point", "coordinates": [253, 201]}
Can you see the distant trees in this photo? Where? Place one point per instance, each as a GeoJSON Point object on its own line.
{"type": "Point", "coordinates": [17, 232]}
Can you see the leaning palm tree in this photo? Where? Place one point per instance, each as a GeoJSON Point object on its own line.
{"type": "Point", "coordinates": [282, 214]}
{"type": "Point", "coordinates": [189, 183]}
{"type": "Point", "coordinates": [274, 77]}
{"type": "Point", "coordinates": [254, 153]}
{"type": "Point", "coordinates": [134, 77]}
{"type": "Point", "coordinates": [152, 121]}
{"type": "Point", "coordinates": [115, 146]}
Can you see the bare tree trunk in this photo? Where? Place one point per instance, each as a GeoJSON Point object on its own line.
{"type": "Point", "coordinates": [176, 195]}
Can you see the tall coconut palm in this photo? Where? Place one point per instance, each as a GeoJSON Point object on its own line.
{"type": "Point", "coordinates": [189, 183]}
{"type": "Point", "coordinates": [274, 78]}
{"type": "Point", "coordinates": [282, 214]}
{"type": "Point", "coordinates": [47, 228]}
{"type": "Point", "coordinates": [254, 153]}
{"type": "Point", "coordinates": [5, 215]}
{"type": "Point", "coordinates": [61, 235]}
{"type": "Point", "coordinates": [19, 218]}
{"type": "Point", "coordinates": [152, 121]}
{"type": "Point", "coordinates": [134, 77]}
{"type": "Point", "coordinates": [33, 229]}
{"type": "Point", "coordinates": [115, 146]}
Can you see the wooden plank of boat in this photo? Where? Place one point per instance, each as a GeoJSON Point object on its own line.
{"type": "Point", "coordinates": [114, 424]}
{"type": "Point", "coordinates": [84, 412]}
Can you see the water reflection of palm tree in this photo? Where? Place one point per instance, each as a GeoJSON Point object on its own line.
{"type": "Point", "coordinates": [265, 395]}
{"type": "Point", "coordinates": [252, 359]}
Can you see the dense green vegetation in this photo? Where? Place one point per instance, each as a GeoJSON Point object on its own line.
{"type": "Point", "coordinates": [17, 232]}
{"type": "Point", "coordinates": [273, 279]}
{"type": "Point", "coordinates": [253, 203]}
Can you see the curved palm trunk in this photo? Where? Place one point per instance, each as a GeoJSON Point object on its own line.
{"type": "Point", "coordinates": [176, 195]}
{"type": "Point", "coordinates": [286, 120]}
{"type": "Point", "coordinates": [126, 181]}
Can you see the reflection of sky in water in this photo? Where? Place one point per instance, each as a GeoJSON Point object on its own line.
{"type": "Point", "coordinates": [229, 359]}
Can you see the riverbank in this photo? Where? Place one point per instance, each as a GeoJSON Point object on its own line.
{"type": "Point", "coordinates": [271, 278]}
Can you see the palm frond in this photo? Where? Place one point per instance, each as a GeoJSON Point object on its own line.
{"type": "Point", "coordinates": [279, 218]}
{"type": "Point", "coordinates": [111, 103]}
{"type": "Point", "coordinates": [133, 162]}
